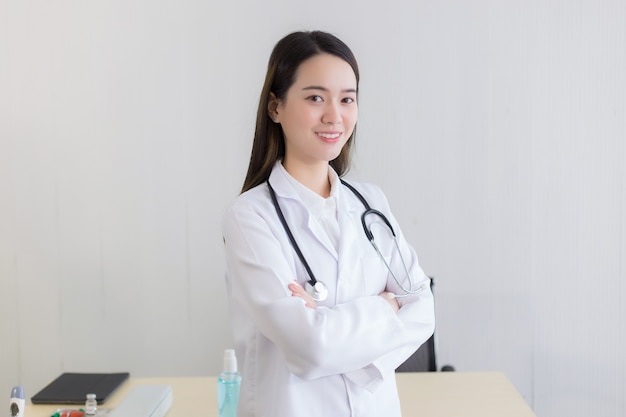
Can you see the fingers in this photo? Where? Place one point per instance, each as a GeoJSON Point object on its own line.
{"type": "Point", "coordinates": [298, 291]}
{"type": "Point", "coordinates": [391, 299]}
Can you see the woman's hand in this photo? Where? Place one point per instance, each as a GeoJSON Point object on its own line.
{"type": "Point", "coordinates": [298, 291]}
{"type": "Point", "coordinates": [391, 299]}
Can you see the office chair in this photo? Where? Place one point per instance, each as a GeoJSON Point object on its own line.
{"type": "Point", "coordinates": [425, 357]}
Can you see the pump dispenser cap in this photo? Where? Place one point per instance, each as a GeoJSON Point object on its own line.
{"type": "Point", "coordinates": [230, 361]}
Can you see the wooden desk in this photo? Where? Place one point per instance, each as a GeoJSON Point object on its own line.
{"type": "Point", "coordinates": [432, 394]}
{"type": "Point", "coordinates": [469, 394]}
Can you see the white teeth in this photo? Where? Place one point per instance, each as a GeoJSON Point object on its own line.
{"type": "Point", "coordinates": [329, 135]}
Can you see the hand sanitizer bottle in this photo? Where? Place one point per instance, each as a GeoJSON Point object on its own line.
{"type": "Point", "coordinates": [228, 384]}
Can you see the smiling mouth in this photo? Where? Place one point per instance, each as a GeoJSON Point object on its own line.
{"type": "Point", "coordinates": [329, 136]}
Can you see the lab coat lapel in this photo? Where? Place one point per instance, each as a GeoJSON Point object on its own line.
{"type": "Point", "coordinates": [316, 230]}
{"type": "Point", "coordinates": [297, 214]}
{"type": "Point", "coordinates": [348, 210]}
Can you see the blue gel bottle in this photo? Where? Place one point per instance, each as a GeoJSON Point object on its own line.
{"type": "Point", "coordinates": [228, 384]}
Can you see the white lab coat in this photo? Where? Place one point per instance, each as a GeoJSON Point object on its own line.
{"type": "Point", "coordinates": [335, 360]}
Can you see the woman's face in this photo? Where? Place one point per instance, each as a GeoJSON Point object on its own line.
{"type": "Point", "coordinates": [319, 111]}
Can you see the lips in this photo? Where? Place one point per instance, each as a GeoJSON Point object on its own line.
{"type": "Point", "coordinates": [329, 137]}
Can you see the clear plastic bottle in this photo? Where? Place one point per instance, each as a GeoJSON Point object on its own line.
{"type": "Point", "coordinates": [228, 384]}
{"type": "Point", "coordinates": [91, 405]}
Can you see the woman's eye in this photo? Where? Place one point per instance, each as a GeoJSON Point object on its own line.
{"type": "Point", "coordinates": [349, 100]}
{"type": "Point", "coordinates": [317, 99]}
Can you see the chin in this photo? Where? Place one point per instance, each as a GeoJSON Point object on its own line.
{"type": "Point", "coordinates": [332, 157]}
{"type": "Point", "coordinates": [334, 154]}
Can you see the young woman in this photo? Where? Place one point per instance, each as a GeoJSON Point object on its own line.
{"type": "Point", "coordinates": [321, 316]}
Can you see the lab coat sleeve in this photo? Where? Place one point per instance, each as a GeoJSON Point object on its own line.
{"type": "Point", "coordinates": [416, 310]}
{"type": "Point", "coordinates": [314, 342]}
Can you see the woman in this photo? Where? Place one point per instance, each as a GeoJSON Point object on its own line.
{"type": "Point", "coordinates": [329, 351]}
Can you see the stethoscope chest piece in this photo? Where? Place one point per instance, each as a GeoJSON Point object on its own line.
{"type": "Point", "coordinates": [318, 291]}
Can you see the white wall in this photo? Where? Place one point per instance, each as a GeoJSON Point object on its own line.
{"type": "Point", "coordinates": [496, 127]}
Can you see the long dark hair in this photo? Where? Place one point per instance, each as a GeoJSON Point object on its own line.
{"type": "Point", "coordinates": [288, 54]}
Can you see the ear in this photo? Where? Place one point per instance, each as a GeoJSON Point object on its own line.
{"type": "Point", "coordinates": [272, 108]}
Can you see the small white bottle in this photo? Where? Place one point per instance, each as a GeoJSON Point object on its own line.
{"type": "Point", "coordinates": [17, 402]}
{"type": "Point", "coordinates": [228, 384]}
{"type": "Point", "coordinates": [91, 405]}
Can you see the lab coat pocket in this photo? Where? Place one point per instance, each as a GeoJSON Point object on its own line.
{"type": "Point", "coordinates": [374, 275]}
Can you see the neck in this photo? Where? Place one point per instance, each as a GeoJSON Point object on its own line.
{"type": "Point", "coordinates": [313, 177]}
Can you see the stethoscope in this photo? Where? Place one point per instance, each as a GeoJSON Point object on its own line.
{"type": "Point", "coordinates": [317, 289]}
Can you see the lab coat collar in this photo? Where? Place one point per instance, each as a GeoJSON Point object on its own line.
{"type": "Point", "coordinates": [282, 182]}
{"type": "Point", "coordinates": [285, 190]}
{"type": "Point", "coordinates": [315, 203]}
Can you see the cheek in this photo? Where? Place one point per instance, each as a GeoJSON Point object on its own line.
{"type": "Point", "coordinates": [301, 118]}
{"type": "Point", "coordinates": [351, 118]}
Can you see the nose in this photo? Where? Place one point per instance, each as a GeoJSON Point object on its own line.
{"type": "Point", "coordinates": [332, 114]}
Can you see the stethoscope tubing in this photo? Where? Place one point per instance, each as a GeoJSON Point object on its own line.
{"type": "Point", "coordinates": [370, 236]}
{"type": "Point", "coordinates": [317, 288]}
{"type": "Point", "coordinates": [281, 216]}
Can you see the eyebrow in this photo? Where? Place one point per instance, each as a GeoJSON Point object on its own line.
{"type": "Point", "coordinates": [317, 87]}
